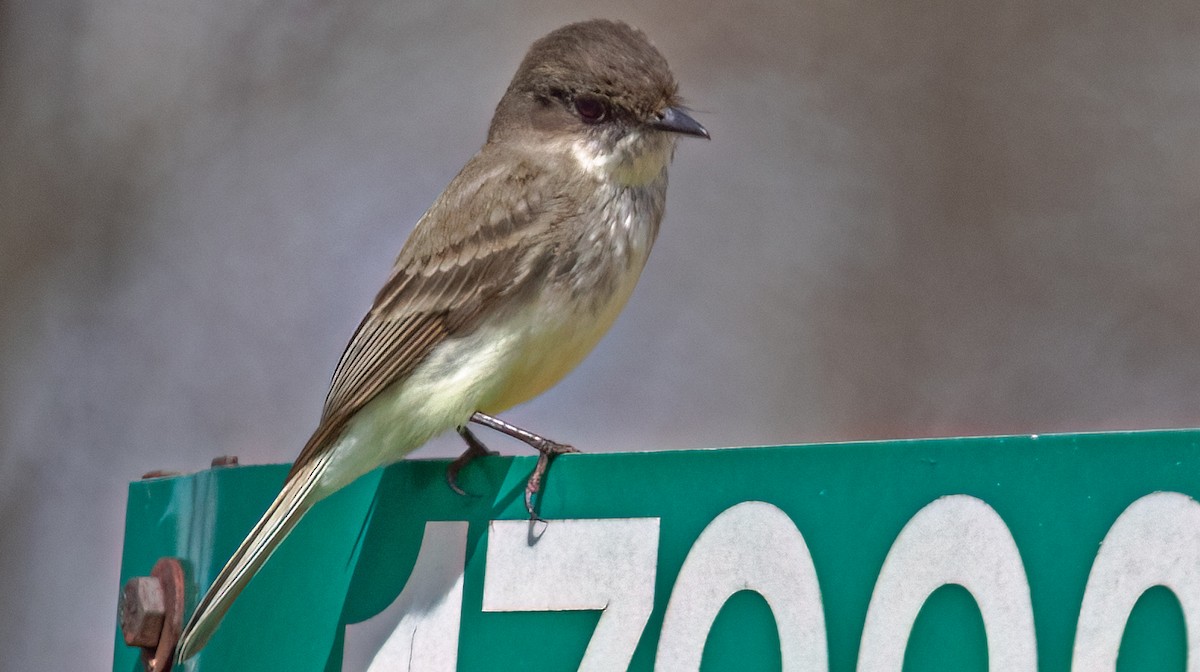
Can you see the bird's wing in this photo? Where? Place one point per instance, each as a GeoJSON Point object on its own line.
{"type": "Point", "coordinates": [446, 278]}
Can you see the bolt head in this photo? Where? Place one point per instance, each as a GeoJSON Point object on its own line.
{"type": "Point", "coordinates": [143, 610]}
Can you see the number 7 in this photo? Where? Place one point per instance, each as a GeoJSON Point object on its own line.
{"type": "Point", "coordinates": [579, 564]}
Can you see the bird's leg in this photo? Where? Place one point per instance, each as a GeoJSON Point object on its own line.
{"type": "Point", "coordinates": [475, 448]}
{"type": "Point", "coordinates": [548, 451]}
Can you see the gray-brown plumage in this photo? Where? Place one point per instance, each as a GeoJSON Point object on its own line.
{"type": "Point", "coordinates": [509, 279]}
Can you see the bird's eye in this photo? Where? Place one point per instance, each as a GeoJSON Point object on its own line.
{"type": "Point", "coordinates": [591, 110]}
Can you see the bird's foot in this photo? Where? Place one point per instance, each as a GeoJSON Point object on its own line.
{"type": "Point", "coordinates": [475, 448]}
{"type": "Point", "coordinates": [547, 451]}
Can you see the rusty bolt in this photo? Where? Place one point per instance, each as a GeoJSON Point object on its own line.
{"type": "Point", "coordinates": [143, 610]}
{"type": "Point", "coordinates": [225, 461]}
{"type": "Point", "coordinates": [152, 613]}
{"type": "Point", "coordinates": [159, 473]}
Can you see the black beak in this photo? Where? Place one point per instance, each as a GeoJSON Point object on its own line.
{"type": "Point", "coordinates": [675, 120]}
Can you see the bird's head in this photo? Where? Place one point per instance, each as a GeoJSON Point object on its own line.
{"type": "Point", "coordinates": [599, 90]}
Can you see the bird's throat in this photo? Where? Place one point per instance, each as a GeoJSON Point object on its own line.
{"type": "Point", "coordinates": [637, 159]}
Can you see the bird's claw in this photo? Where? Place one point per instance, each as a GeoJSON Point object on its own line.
{"type": "Point", "coordinates": [547, 451]}
{"type": "Point", "coordinates": [475, 448]}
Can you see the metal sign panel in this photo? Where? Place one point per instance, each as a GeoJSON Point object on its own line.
{"type": "Point", "coordinates": [1062, 552]}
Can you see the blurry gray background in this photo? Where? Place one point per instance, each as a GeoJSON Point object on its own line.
{"type": "Point", "coordinates": [914, 219]}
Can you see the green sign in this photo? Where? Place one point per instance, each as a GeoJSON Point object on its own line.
{"type": "Point", "coordinates": [1064, 552]}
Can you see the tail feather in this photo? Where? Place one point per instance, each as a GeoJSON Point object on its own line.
{"type": "Point", "coordinates": [281, 517]}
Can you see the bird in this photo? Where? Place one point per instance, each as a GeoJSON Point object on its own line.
{"type": "Point", "coordinates": [504, 285]}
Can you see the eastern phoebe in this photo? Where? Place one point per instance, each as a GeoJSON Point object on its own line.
{"type": "Point", "coordinates": [506, 283]}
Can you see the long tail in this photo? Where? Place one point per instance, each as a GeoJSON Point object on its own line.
{"type": "Point", "coordinates": [292, 503]}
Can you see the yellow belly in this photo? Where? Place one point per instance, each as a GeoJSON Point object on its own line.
{"type": "Point", "coordinates": [558, 335]}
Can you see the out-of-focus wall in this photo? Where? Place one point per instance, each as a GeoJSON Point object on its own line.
{"type": "Point", "coordinates": [960, 216]}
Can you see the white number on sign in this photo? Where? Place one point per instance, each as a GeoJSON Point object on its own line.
{"type": "Point", "coordinates": [960, 540]}
{"type": "Point", "coordinates": [751, 546]}
{"type": "Point", "coordinates": [1154, 542]}
{"type": "Point", "coordinates": [578, 564]}
{"type": "Point", "coordinates": [432, 604]}
{"type": "Point", "coordinates": [610, 566]}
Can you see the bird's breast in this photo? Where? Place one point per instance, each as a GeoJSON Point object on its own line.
{"type": "Point", "coordinates": [587, 286]}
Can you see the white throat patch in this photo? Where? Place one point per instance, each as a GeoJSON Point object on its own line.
{"type": "Point", "coordinates": [636, 160]}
